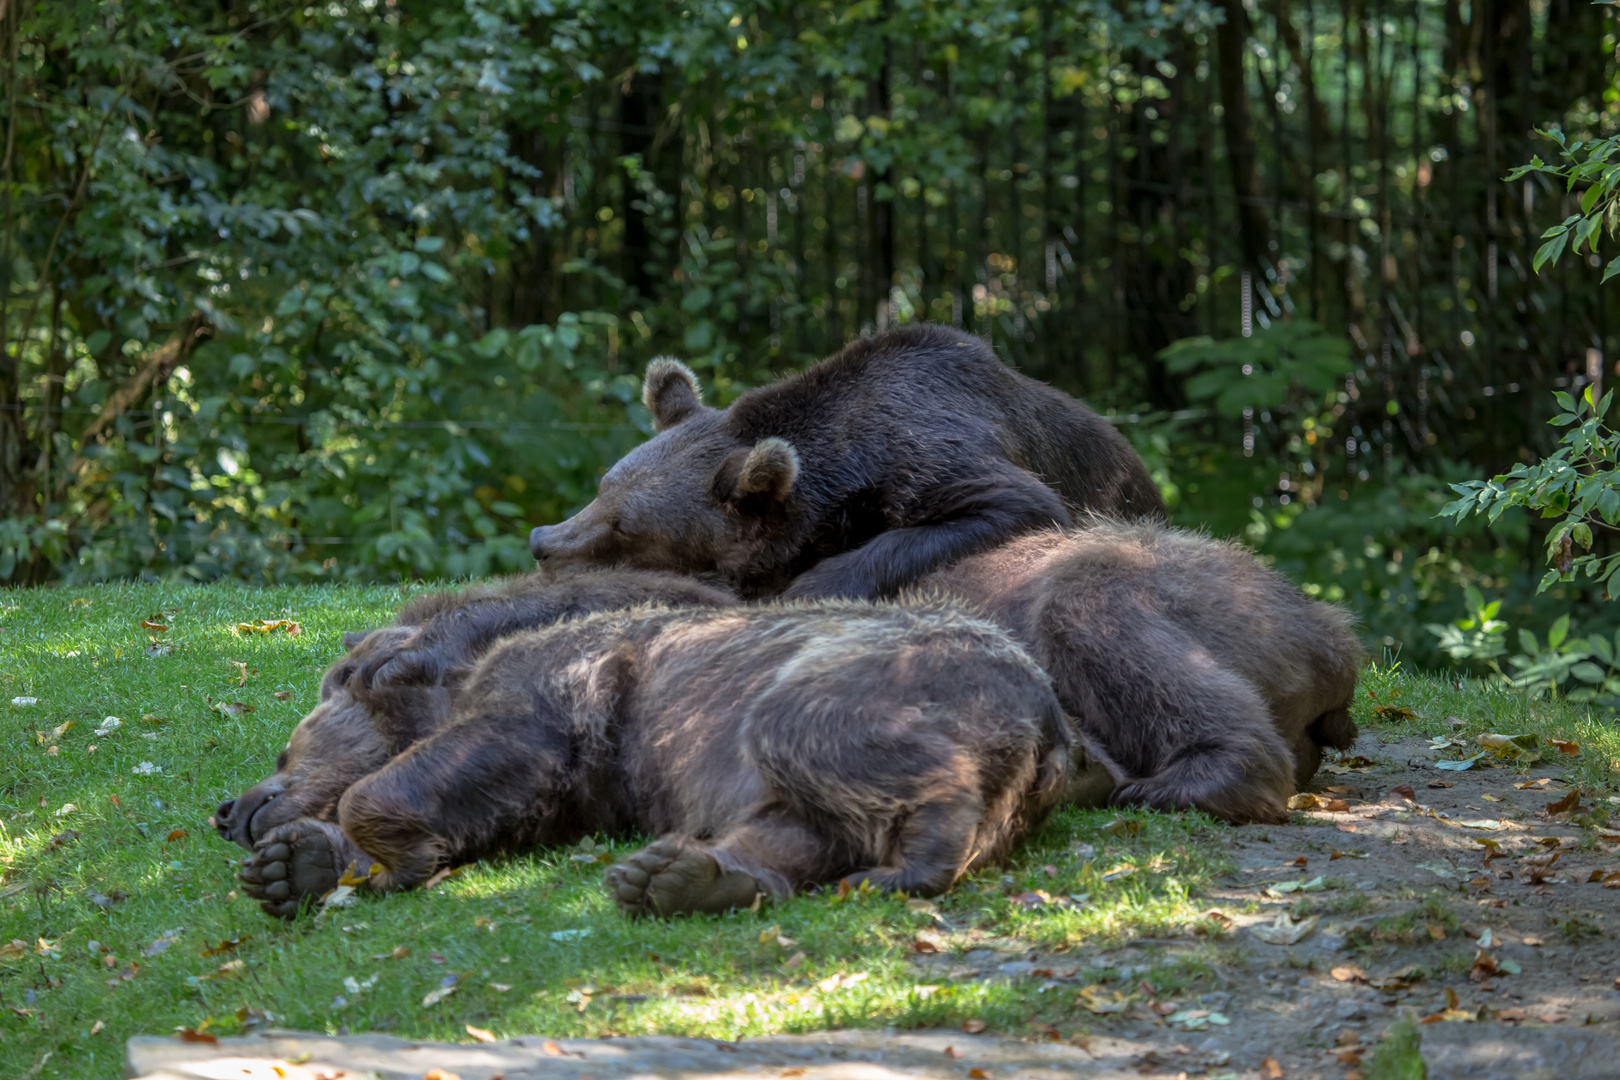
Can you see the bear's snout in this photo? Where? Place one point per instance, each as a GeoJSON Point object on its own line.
{"type": "Point", "coordinates": [234, 818]}
{"type": "Point", "coordinates": [537, 542]}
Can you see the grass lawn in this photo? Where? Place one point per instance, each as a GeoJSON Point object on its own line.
{"type": "Point", "coordinates": [117, 900]}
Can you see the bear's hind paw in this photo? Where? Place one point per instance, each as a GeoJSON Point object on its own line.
{"type": "Point", "coordinates": [673, 877]}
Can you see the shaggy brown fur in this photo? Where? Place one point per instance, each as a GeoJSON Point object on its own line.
{"type": "Point", "coordinates": [396, 684]}
{"type": "Point", "coordinates": [770, 748]}
{"type": "Point", "coordinates": [904, 452]}
{"type": "Point", "coordinates": [1207, 677]}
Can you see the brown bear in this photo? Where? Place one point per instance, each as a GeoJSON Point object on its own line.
{"type": "Point", "coordinates": [904, 452]}
{"type": "Point", "coordinates": [397, 683]}
{"type": "Point", "coordinates": [1207, 677]}
{"type": "Point", "coordinates": [768, 748]}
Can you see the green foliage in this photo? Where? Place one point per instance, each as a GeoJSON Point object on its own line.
{"type": "Point", "coordinates": [1399, 1056]}
{"type": "Point", "coordinates": [1576, 486]}
{"type": "Point", "coordinates": [1479, 635]}
{"type": "Point", "coordinates": [1588, 162]}
{"type": "Point", "coordinates": [1288, 365]}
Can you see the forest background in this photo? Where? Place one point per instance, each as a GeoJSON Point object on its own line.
{"type": "Point", "coordinates": [362, 289]}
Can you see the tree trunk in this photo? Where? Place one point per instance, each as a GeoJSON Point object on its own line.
{"type": "Point", "coordinates": [1231, 41]}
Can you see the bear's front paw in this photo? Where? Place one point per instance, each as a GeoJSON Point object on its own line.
{"type": "Point", "coordinates": [672, 877]}
{"type": "Point", "coordinates": [293, 864]}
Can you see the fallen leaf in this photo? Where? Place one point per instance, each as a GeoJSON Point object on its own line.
{"type": "Point", "coordinates": [283, 695]}
{"type": "Point", "coordinates": [188, 1035]}
{"type": "Point", "coordinates": [162, 943]}
{"type": "Point", "coordinates": [446, 874]}
{"type": "Point", "coordinates": [1121, 827]}
{"type": "Point", "coordinates": [1442, 783]}
{"type": "Point", "coordinates": [1460, 766]}
{"type": "Point", "coordinates": [953, 1052]}
{"type": "Point", "coordinates": [228, 945]}
{"type": "Point", "coordinates": [1436, 931]}
{"type": "Point", "coordinates": [557, 1051]}
{"type": "Point", "coordinates": [1349, 974]}
{"type": "Point", "coordinates": [1307, 801]}
{"type": "Point", "coordinates": [447, 986]}
{"type": "Point", "coordinates": [177, 834]}
{"type": "Point", "coordinates": [927, 941]}
{"type": "Point", "coordinates": [480, 1034]}
{"type": "Point", "coordinates": [1533, 942]}
{"type": "Point", "coordinates": [1394, 712]}
{"type": "Point", "coordinates": [1543, 782]}
{"type": "Point", "coordinates": [1337, 854]}
{"type": "Point", "coordinates": [260, 626]}
{"type": "Point", "coordinates": [1570, 748]}
{"type": "Point", "coordinates": [1270, 1069]}
{"type": "Point", "coordinates": [1405, 791]}
{"type": "Point", "coordinates": [1569, 802]}
{"type": "Point", "coordinates": [1283, 931]}
{"type": "Point", "coordinates": [154, 626]}
{"type": "Point", "coordinates": [431, 1074]}
{"type": "Point", "coordinates": [973, 1027]}
{"type": "Point", "coordinates": [978, 1074]}
{"type": "Point", "coordinates": [1098, 1000]}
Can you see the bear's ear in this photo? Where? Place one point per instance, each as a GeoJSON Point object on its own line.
{"type": "Point", "coordinates": [352, 638]}
{"type": "Point", "coordinates": [769, 470]}
{"type": "Point", "coordinates": [670, 392]}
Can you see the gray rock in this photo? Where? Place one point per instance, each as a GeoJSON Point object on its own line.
{"type": "Point", "coordinates": [1351, 1012]}
{"type": "Point", "coordinates": [836, 1055]}
{"type": "Point", "coordinates": [1499, 1052]}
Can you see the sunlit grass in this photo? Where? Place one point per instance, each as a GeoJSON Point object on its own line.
{"type": "Point", "coordinates": [492, 926]}
{"type": "Point", "coordinates": [1488, 707]}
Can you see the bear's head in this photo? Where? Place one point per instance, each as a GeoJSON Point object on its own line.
{"type": "Point", "coordinates": [382, 696]}
{"type": "Point", "coordinates": [694, 499]}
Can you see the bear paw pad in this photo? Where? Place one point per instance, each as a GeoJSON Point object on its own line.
{"type": "Point", "coordinates": [669, 877]}
{"type": "Point", "coordinates": [293, 863]}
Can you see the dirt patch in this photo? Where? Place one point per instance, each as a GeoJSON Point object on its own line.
{"type": "Point", "coordinates": [1467, 903]}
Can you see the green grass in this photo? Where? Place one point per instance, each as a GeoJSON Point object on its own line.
{"type": "Point", "coordinates": [83, 654]}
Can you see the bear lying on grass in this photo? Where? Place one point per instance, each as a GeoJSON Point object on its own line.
{"type": "Point", "coordinates": [904, 452]}
{"type": "Point", "coordinates": [768, 749]}
{"type": "Point", "coordinates": [397, 683]}
{"type": "Point", "coordinates": [1208, 678]}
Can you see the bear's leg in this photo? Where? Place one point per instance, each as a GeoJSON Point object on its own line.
{"type": "Point", "coordinates": [970, 516]}
{"type": "Point", "coordinates": [300, 862]}
{"type": "Point", "coordinates": [774, 852]}
{"type": "Point", "coordinates": [934, 847]}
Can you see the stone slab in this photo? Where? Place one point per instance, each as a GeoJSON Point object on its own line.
{"type": "Point", "coordinates": [1498, 1052]}
{"type": "Point", "coordinates": [838, 1055]}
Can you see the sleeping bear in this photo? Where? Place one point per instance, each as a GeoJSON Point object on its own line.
{"type": "Point", "coordinates": [767, 749]}
{"type": "Point", "coordinates": [397, 683]}
{"type": "Point", "coordinates": [904, 452]}
{"type": "Point", "coordinates": [1208, 678]}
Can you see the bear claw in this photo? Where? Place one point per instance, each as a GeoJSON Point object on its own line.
{"type": "Point", "coordinates": [295, 863]}
{"type": "Point", "coordinates": [672, 877]}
